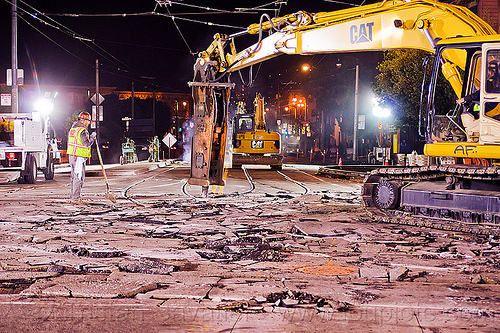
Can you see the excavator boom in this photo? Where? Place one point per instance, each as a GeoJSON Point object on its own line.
{"type": "Point", "coordinates": [381, 26]}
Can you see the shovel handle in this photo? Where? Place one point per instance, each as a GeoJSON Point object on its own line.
{"type": "Point", "coordinates": [100, 160]}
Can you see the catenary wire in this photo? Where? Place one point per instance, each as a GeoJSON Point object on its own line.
{"type": "Point", "coordinates": [103, 53]}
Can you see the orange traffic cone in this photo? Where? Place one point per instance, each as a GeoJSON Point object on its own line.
{"type": "Point", "coordinates": [340, 161]}
{"type": "Point", "coordinates": [386, 161]}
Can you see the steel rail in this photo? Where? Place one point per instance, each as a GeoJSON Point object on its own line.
{"type": "Point", "coordinates": [125, 191]}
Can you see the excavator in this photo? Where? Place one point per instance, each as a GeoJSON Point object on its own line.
{"type": "Point", "coordinates": [462, 141]}
{"type": "Point", "coordinates": [252, 142]}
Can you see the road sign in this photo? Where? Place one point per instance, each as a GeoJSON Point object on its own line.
{"type": "Point", "coordinates": [6, 100]}
{"type": "Point", "coordinates": [94, 113]}
{"type": "Point", "coordinates": [95, 101]}
{"type": "Point", "coordinates": [20, 77]}
{"type": "Point", "coordinates": [361, 122]}
{"type": "Point", "coordinates": [169, 140]}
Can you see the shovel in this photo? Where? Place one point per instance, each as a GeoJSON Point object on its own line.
{"type": "Point", "coordinates": [108, 195]}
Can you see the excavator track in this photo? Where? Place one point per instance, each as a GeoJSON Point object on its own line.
{"type": "Point", "coordinates": [463, 198]}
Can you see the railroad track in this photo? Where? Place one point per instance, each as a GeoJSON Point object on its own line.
{"type": "Point", "coordinates": [251, 188]}
{"type": "Point", "coordinates": [125, 192]}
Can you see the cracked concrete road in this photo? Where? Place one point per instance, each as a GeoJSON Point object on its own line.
{"type": "Point", "coordinates": [295, 254]}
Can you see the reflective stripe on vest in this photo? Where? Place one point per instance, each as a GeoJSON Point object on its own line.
{"type": "Point", "coordinates": [75, 144]}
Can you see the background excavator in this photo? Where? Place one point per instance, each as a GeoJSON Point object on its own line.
{"type": "Point", "coordinates": [252, 142]}
{"type": "Point", "coordinates": [462, 181]}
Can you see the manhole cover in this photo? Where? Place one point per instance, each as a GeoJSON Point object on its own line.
{"type": "Point", "coordinates": [326, 269]}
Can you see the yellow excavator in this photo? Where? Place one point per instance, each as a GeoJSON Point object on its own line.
{"type": "Point", "coordinates": [252, 142]}
{"type": "Point", "coordinates": [462, 180]}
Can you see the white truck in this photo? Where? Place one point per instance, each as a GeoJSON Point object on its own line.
{"type": "Point", "coordinates": [26, 146]}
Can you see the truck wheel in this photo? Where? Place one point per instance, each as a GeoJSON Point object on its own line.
{"type": "Point", "coordinates": [21, 179]}
{"type": "Point", "coordinates": [49, 169]}
{"type": "Point", "coordinates": [277, 167]}
{"type": "Point", "coordinates": [31, 170]}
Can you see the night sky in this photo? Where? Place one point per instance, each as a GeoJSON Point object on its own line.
{"type": "Point", "coordinates": [149, 50]}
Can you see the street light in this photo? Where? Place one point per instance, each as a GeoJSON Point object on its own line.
{"type": "Point", "coordinates": [355, 134]}
{"type": "Point", "coordinates": [381, 113]}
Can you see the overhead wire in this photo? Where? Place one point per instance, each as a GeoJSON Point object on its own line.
{"type": "Point", "coordinates": [64, 29]}
{"type": "Point", "coordinates": [275, 27]}
{"type": "Point", "coordinates": [221, 11]}
{"type": "Point", "coordinates": [47, 20]}
{"type": "Point", "coordinates": [140, 45]}
{"type": "Point", "coordinates": [180, 3]}
{"type": "Point", "coordinates": [180, 33]}
{"type": "Point", "coordinates": [90, 43]}
{"type": "Point", "coordinates": [86, 62]}
{"type": "Point", "coordinates": [53, 41]}
{"type": "Point", "coordinates": [71, 33]}
{"type": "Point", "coordinates": [346, 3]}
{"type": "Point", "coordinates": [278, 2]}
{"type": "Point", "coordinates": [197, 21]}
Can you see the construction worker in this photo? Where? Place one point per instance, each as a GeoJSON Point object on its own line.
{"type": "Point", "coordinates": [79, 143]}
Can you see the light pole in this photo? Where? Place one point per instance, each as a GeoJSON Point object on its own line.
{"type": "Point", "coordinates": [355, 138]}
{"type": "Point", "coordinates": [15, 84]}
{"type": "Point", "coordinates": [356, 89]}
{"type": "Point", "coordinates": [176, 130]}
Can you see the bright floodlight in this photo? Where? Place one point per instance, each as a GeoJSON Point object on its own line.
{"type": "Point", "coordinates": [381, 112]}
{"type": "Point", "coordinates": [44, 105]}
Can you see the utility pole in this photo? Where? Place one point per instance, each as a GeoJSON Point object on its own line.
{"type": "Point", "coordinates": [133, 99]}
{"type": "Point", "coordinates": [15, 86]}
{"type": "Point", "coordinates": [355, 139]}
{"type": "Point", "coordinates": [98, 101]}
{"type": "Point", "coordinates": [154, 112]}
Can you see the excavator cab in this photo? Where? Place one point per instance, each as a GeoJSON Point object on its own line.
{"type": "Point", "coordinates": [244, 123]}
{"type": "Point", "coordinates": [470, 130]}
{"type": "Point", "coordinates": [489, 130]}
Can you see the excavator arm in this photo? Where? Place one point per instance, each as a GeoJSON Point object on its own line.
{"type": "Point", "coordinates": [418, 24]}
{"type": "Point", "coordinates": [382, 26]}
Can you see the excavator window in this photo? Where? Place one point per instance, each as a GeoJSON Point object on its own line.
{"type": "Point", "coordinates": [446, 99]}
{"type": "Point", "coordinates": [492, 109]}
{"type": "Point", "coordinates": [446, 114]}
{"type": "Point", "coordinates": [475, 81]}
{"type": "Point", "coordinates": [245, 123]}
{"type": "Point", "coordinates": [493, 84]}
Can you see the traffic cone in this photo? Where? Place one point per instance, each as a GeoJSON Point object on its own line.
{"type": "Point", "coordinates": [386, 161]}
{"type": "Point", "coordinates": [340, 161]}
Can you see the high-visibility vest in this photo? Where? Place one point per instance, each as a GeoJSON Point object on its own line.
{"type": "Point", "coordinates": [75, 144]}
